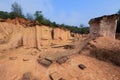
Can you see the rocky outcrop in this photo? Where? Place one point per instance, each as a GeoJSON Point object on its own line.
{"type": "Point", "coordinates": [29, 37]}
{"type": "Point", "coordinates": [14, 33]}
{"type": "Point", "coordinates": [104, 26]}
{"type": "Point", "coordinates": [43, 36]}
{"type": "Point", "coordinates": [10, 35]}
{"type": "Point", "coordinates": [61, 34]}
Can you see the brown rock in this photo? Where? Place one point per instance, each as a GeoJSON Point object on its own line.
{"type": "Point", "coordinates": [34, 53]}
{"type": "Point", "coordinates": [12, 58]}
{"type": "Point", "coordinates": [29, 37]}
{"type": "Point", "coordinates": [62, 59]}
{"type": "Point", "coordinates": [104, 26]}
{"type": "Point", "coordinates": [10, 36]}
{"type": "Point", "coordinates": [61, 34]}
{"type": "Point", "coordinates": [55, 76]}
{"type": "Point", "coordinates": [45, 62]}
{"type": "Point", "coordinates": [81, 66]}
{"type": "Point", "coordinates": [43, 34]}
{"type": "Point", "coordinates": [25, 59]}
{"type": "Point", "coordinates": [27, 76]}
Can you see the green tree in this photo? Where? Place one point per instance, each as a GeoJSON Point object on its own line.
{"type": "Point", "coordinates": [4, 15]}
{"type": "Point", "coordinates": [118, 24]}
{"type": "Point", "coordinates": [16, 10]}
{"type": "Point", "coordinates": [39, 17]}
{"type": "Point", "coordinates": [29, 16]}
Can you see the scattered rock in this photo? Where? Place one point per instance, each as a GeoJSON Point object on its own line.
{"type": "Point", "coordinates": [45, 62]}
{"type": "Point", "coordinates": [34, 53]}
{"type": "Point", "coordinates": [69, 47]}
{"type": "Point", "coordinates": [55, 76]}
{"type": "Point", "coordinates": [52, 44]}
{"type": "Point", "coordinates": [39, 56]}
{"type": "Point", "coordinates": [25, 59]}
{"type": "Point", "coordinates": [62, 59]}
{"type": "Point", "coordinates": [36, 79]}
{"type": "Point", "coordinates": [27, 76]}
{"type": "Point", "coordinates": [12, 58]}
{"type": "Point", "coordinates": [61, 79]}
{"type": "Point", "coordinates": [81, 66]}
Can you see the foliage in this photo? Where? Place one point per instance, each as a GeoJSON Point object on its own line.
{"type": "Point", "coordinates": [118, 24]}
{"type": "Point", "coordinates": [75, 29]}
{"type": "Point", "coordinates": [16, 10]}
{"type": "Point", "coordinates": [4, 15]}
{"type": "Point", "coordinates": [29, 16]}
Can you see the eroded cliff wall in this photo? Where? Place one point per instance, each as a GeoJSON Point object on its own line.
{"type": "Point", "coordinates": [14, 35]}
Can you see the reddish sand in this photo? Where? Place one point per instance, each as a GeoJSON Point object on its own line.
{"type": "Point", "coordinates": [25, 60]}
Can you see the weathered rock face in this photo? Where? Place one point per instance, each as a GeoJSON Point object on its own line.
{"type": "Point", "coordinates": [29, 37]}
{"type": "Point", "coordinates": [21, 21]}
{"type": "Point", "coordinates": [61, 34]}
{"type": "Point", "coordinates": [43, 34]}
{"type": "Point", "coordinates": [10, 36]}
{"type": "Point", "coordinates": [14, 33]}
{"type": "Point", "coordinates": [39, 36]}
{"type": "Point", "coordinates": [104, 26]}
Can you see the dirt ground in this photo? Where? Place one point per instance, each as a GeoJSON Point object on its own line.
{"type": "Point", "coordinates": [22, 64]}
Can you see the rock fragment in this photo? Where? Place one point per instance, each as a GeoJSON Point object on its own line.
{"type": "Point", "coordinates": [81, 66]}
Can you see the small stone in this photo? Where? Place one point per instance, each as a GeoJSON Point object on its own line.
{"type": "Point", "coordinates": [25, 59]}
{"type": "Point", "coordinates": [12, 58]}
{"type": "Point", "coordinates": [62, 59]}
{"type": "Point", "coordinates": [27, 76]}
{"type": "Point", "coordinates": [36, 78]}
{"type": "Point", "coordinates": [68, 47]}
{"type": "Point", "coordinates": [61, 79]}
{"type": "Point", "coordinates": [45, 62]}
{"type": "Point", "coordinates": [55, 76]}
{"type": "Point", "coordinates": [34, 53]}
{"type": "Point", "coordinates": [81, 66]}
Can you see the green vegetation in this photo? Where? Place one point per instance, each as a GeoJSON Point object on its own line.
{"type": "Point", "coordinates": [16, 11]}
{"type": "Point", "coordinates": [118, 25]}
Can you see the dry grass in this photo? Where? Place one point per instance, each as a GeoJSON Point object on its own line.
{"type": "Point", "coordinates": [107, 55]}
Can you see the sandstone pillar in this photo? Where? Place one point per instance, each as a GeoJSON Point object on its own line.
{"type": "Point", "coordinates": [104, 26]}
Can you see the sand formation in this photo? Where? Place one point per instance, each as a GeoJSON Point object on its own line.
{"type": "Point", "coordinates": [104, 26]}
{"type": "Point", "coordinates": [29, 51]}
{"type": "Point", "coordinates": [20, 32]}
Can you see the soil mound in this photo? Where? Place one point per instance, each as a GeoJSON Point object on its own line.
{"type": "Point", "coordinates": [106, 49]}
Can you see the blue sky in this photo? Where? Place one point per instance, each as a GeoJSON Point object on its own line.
{"type": "Point", "coordinates": [71, 12]}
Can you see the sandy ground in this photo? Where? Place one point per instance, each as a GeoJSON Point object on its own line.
{"type": "Point", "coordinates": [15, 63]}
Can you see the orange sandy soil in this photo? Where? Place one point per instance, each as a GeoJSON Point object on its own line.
{"type": "Point", "coordinates": [25, 60]}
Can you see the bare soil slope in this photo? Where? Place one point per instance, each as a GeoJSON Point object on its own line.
{"type": "Point", "coordinates": [106, 49]}
{"type": "Point", "coordinates": [21, 64]}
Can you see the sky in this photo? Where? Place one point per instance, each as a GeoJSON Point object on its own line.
{"type": "Point", "coordinates": [70, 12]}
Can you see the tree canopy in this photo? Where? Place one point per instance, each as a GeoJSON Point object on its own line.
{"type": "Point", "coordinates": [16, 10]}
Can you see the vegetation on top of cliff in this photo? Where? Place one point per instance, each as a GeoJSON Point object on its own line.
{"type": "Point", "coordinates": [16, 11]}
